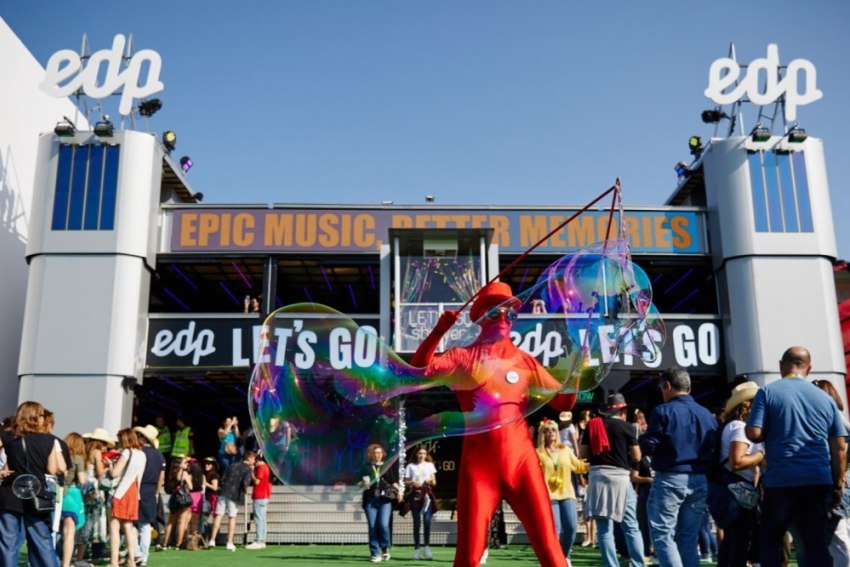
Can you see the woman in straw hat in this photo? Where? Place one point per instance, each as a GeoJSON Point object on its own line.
{"type": "Point", "coordinates": [740, 457]}
{"type": "Point", "coordinates": [94, 532]}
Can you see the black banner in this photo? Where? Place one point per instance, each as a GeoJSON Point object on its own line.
{"type": "Point", "coordinates": [217, 342]}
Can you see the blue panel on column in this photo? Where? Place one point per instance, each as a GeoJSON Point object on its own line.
{"type": "Point", "coordinates": [757, 188]}
{"type": "Point", "coordinates": [63, 187]}
{"type": "Point", "coordinates": [78, 188]}
{"type": "Point", "coordinates": [110, 188]}
{"type": "Point", "coordinates": [774, 204]}
{"type": "Point", "coordinates": [786, 190]}
{"type": "Point", "coordinates": [801, 184]}
{"type": "Point", "coordinates": [93, 188]}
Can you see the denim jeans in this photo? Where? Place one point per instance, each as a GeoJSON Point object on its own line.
{"type": "Point", "coordinates": [676, 509]}
{"type": "Point", "coordinates": [707, 539]}
{"type": "Point", "coordinates": [566, 523]}
{"type": "Point", "coordinates": [419, 518]}
{"type": "Point", "coordinates": [631, 531]}
{"type": "Point", "coordinates": [260, 507]}
{"type": "Point", "coordinates": [804, 509]}
{"type": "Point", "coordinates": [13, 528]}
{"type": "Point", "coordinates": [144, 548]}
{"type": "Point", "coordinates": [378, 511]}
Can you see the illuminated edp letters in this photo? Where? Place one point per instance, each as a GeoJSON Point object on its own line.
{"type": "Point", "coordinates": [65, 66]}
{"type": "Point", "coordinates": [724, 73]}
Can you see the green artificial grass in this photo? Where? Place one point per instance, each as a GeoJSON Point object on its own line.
{"type": "Point", "coordinates": [347, 556]}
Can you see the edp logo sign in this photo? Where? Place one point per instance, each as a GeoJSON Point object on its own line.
{"type": "Point", "coordinates": [799, 74]}
{"type": "Point", "coordinates": [65, 74]}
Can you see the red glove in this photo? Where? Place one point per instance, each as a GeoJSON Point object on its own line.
{"type": "Point", "coordinates": [425, 352]}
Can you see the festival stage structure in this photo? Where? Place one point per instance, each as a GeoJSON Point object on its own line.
{"type": "Point", "coordinates": [137, 293]}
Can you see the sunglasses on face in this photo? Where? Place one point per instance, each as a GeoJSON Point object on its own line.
{"type": "Point", "coordinates": [509, 312]}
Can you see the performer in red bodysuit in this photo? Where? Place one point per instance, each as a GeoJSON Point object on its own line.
{"type": "Point", "coordinates": [493, 377]}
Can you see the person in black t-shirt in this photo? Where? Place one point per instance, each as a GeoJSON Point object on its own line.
{"type": "Point", "coordinates": [234, 484]}
{"type": "Point", "coordinates": [611, 446]}
{"type": "Point", "coordinates": [27, 452]}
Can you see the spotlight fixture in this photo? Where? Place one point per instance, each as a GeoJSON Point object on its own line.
{"type": "Point", "coordinates": [169, 140]}
{"type": "Point", "coordinates": [65, 128]}
{"type": "Point", "coordinates": [682, 169]}
{"type": "Point", "coordinates": [186, 163]}
{"type": "Point", "coordinates": [198, 196]}
{"type": "Point", "coordinates": [104, 128]}
{"type": "Point", "coordinates": [429, 198]}
{"type": "Point", "coordinates": [713, 116]}
{"type": "Point", "coordinates": [760, 133]}
{"type": "Point", "coordinates": [797, 135]}
{"type": "Point", "coordinates": [695, 144]}
{"type": "Point", "coordinates": [150, 107]}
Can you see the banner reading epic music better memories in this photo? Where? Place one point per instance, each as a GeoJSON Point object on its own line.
{"type": "Point", "coordinates": [365, 230]}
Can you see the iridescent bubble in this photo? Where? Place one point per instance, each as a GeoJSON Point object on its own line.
{"type": "Point", "coordinates": [324, 387]}
{"type": "Point", "coordinates": [26, 486]}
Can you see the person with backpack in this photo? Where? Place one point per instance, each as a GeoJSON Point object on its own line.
{"type": "Point", "coordinates": [179, 488]}
{"type": "Point", "coordinates": [234, 485]}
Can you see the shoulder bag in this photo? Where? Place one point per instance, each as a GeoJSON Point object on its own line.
{"type": "Point", "coordinates": [45, 500]}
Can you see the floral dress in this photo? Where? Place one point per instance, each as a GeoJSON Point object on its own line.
{"type": "Point", "coordinates": [94, 529]}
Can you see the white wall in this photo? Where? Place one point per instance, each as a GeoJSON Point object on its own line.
{"type": "Point", "coordinates": [25, 112]}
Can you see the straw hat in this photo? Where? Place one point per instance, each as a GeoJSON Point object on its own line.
{"type": "Point", "coordinates": [150, 433]}
{"type": "Point", "coordinates": [741, 393]}
{"type": "Point", "coordinates": [100, 434]}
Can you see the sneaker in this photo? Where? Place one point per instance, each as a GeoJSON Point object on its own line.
{"type": "Point", "coordinates": [231, 547]}
{"type": "Point", "coordinates": [416, 554]}
{"type": "Point", "coordinates": [375, 559]}
{"type": "Point", "coordinates": [428, 552]}
{"type": "Point", "coordinates": [585, 543]}
{"type": "Point", "coordinates": [385, 556]}
{"type": "Point", "coordinates": [706, 559]}
{"type": "Point", "coordinates": [211, 544]}
{"type": "Point", "coordinates": [256, 545]}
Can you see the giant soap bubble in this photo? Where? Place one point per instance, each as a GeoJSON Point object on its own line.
{"type": "Point", "coordinates": [324, 387]}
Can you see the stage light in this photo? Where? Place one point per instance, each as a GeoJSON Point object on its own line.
{"type": "Point", "coordinates": [65, 128]}
{"type": "Point", "coordinates": [682, 169]}
{"type": "Point", "coordinates": [797, 135]}
{"type": "Point", "coordinates": [695, 144]}
{"type": "Point", "coordinates": [429, 198]}
{"type": "Point", "coordinates": [760, 133]}
{"type": "Point", "coordinates": [169, 140]}
{"type": "Point", "coordinates": [198, 196]}
{"type": "Point", "coordinates": [186, 163]}
{"type": "Point", "coordinates": [713, 116]}
{"type": "Point", "coordinates": [104, 128]}
{"type": "Point", "coordinates": [150, 107]}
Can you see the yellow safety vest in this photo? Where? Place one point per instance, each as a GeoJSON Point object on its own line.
{"type": "Point", "coordinates": [181, 442]}
{"type": "Point", "coordinates": [164, 439]}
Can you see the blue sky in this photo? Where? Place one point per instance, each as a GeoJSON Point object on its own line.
{"type": "Point", "coordinates": [474, 102]}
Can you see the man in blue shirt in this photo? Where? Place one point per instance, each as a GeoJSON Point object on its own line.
{"type": "Point", "coordinates": [680, 439]}
{"type": "Point", "coordinates": [803, 434]}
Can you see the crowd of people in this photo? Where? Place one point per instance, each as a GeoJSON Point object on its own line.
{"type": "Point", "coordinates": [91, 498]}
{"type": "Point", "coordinates": [684, 485]}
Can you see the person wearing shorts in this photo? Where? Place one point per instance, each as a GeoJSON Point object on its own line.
{"type": "Point", "coordinates": [234, 484]}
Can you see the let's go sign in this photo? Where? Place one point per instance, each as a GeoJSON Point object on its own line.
{"type": "Point", "coordinates": [65, 74]}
